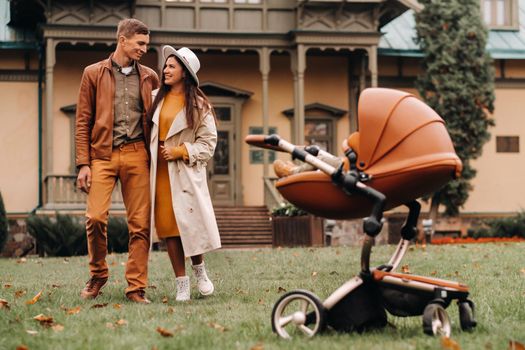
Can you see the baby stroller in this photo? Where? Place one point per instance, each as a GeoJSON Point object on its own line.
{"type": "Point", "coordinates": [402, 151]}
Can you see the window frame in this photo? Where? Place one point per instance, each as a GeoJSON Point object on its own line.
{"type": "Point", "coordinates": [511, 15]}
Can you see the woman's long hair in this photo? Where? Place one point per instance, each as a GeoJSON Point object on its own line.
{"type": "Point", "coordinates": [194, 98]}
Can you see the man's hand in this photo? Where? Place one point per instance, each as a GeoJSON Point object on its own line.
{"type": "Point", "coordinates": [84, 179]}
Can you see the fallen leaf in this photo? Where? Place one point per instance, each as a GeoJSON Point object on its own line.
{"type": "Point", "coordinates": [405, 269]}
{"type": "Point", "coordinates": [296, 254]}
{"type": "Point", "coordinates": [110, 325]}
{"type": "Point", "coordinates": [117, 306]}
{"type": "Point", "coordinates": [57, 327]}
{"type": "Point", "coordinates": [44, 320]}
{"type": "Point", "coordinates": [447, 343]}
{"type": "Point", "coordinates": [35, 298]}
{"type": "Point", "coordinates": [22, 347]}
{"type": "Point", "coordinates": [21, 261]}
{"type": "Point", "coordinates": [334, 273]}
{"type": "Point", "coordinates": [31, 332]}
{"type": "Point", "coordinates": [164, 332]}
{"type": "Point", "coordinates": [20, 293]}
{"type": "Point", "coordinates": [152, 286]}
{"type": "Point", "coordinates": [515, 345]}
{"type": "Point", "coordinates": [281, 290]}
{"type": "Point", "coordinates": [165, 300]}
{"type": "Point", "coordinates": [217, 327]}
{"type": "Point", "coordinates": [171, 310]}
{"type": "Point", "coordinates": [73, 311]}
{"type": "Point", "coordinates": [258, 346]}
{"type": "Point", "coordinates": [121, 322]}
{"type": "Point", "coordinates": [433, 273]}
{"type": "Point", "coordinates": [55, 286]}
{"type": "Point", "coordinates": [7, 285]}
{"type": "Point", "coordinates": [4, 304]}
{"type": "Point", "coordinates": [99, 306]}
{"type": "Point", "coordinates": [260, 302]}
{"type": "Point", "coordinates": [314, 273]}
{"type": "Point", "coordinates": [523, 271]}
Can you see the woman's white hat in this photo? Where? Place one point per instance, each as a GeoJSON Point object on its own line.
{"type": "Point", "coordinates": [187, 57]}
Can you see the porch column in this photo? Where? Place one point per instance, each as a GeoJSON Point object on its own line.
{"type": "Point", "coordinates": [160, 60]}
{"type": "Point", "coordinates": [264, 67]}
{"type": "Point", "coordinates": [372, 64]}
{"type": "Point", "coordinates": [48, 134]}
{"type": "Point", "coordinates": [298, 58]}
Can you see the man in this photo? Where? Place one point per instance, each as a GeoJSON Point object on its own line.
{"type": "Point", "coordinates": [112, 134]}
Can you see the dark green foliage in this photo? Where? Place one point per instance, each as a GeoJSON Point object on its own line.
{"type": "Point", "coordinates": [65, 235]}
{"type": "Point", "coordinates": [4, 227]}
{"type": "Point", "coordinates": [118, 235]}
{"type": "Point", "coordinates": [458, 82]}
{"type": "Point", "coordinates": [513, 226]}
{"type": "Point", "coordinates": [288, 209]}
{"type": "Point", "coordinates": [62, 235]}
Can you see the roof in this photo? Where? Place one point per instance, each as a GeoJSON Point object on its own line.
{"type": "Point", "coordinates": [398, 38]}
{"type": "Point", "coordinates": [336, 112]}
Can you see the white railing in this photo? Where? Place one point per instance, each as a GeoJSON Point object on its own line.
{"type": "Point", "coordinates": [61, 193]}
{"type": "Point", "coordinates": [272, 197]}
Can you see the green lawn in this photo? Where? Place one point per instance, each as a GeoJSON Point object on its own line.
{"type": "Point", "coordinates": [248, 282]}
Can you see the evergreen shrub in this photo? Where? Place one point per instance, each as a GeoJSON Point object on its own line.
{"type": "Point", "coordinates": [4, 227]}
{"type": "Point", "coordinates": [65, 235]}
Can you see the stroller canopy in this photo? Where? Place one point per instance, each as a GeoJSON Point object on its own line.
{"type": "Point", "coordinates": [402, 144]}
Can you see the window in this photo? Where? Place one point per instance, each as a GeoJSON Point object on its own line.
{"type": "Point", "coordinates": [500, 14]}
{"type": "Point", "coordinates": [507, 144]}
{"type": "Point", "coordinates": [256, 154]}
{"type": "Point", "coordinates": [320, 132]}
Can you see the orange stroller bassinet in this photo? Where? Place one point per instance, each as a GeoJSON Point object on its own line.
{"type": "Point", "coordinates": [402, 151]}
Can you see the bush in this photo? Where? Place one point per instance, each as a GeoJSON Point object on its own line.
{"type": "Point", "coordinates": [288, 209]}
{"type": "Point", "coordinates": [65, 235]}
{"type": "Point", "coordinates": [4, 227]}
{"type": "Point", "coordinates": [62, 235]}
{"type": "Point", "coordinates": [513, 226]}
{"type": "Point", "coordinates": [118, 235]}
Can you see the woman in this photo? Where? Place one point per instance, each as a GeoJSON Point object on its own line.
{"type": "Point", "coordinates": [183, 139]}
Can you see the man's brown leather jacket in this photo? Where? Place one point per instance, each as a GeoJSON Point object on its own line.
{"type": "Point", "coordinates": [94, 118]}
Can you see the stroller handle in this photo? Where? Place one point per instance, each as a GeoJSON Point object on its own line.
{"type": "Point", "coordinates": [348, 181]}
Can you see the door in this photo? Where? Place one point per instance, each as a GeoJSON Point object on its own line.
{"type": "Point", "coordinates": [221, 168]}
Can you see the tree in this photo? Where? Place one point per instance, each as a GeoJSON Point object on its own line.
{"type": "Point", "coordinates": [458, 83]}
{"type": "Point", "coordinates": [4, 228]}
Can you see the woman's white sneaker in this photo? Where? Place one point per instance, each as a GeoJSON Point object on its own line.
{"type": "Point", "coordinates": [203, 282]}
{"type": "Point", "coordinates": [183, 288]}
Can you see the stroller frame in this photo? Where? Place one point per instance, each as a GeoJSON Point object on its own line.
{"type": "Point", "coordinates": [359, 304]}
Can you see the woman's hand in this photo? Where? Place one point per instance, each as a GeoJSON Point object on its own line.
{"type": "Point", "coordinates": [173, 153]}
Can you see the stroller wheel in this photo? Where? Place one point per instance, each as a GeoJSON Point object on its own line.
{"type": "Point", "coordinates": [436, 320]}
{"type": "Point", "coordinates": [298, 313]}
{"type": "Point", "coordinates": [466, 315]}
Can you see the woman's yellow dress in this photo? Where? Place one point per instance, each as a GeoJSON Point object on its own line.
{"type": "Point", "coordinates": [165, 221]}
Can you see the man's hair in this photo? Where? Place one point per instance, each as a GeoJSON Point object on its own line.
{"type": "Point", "coordinates": [131, 26]}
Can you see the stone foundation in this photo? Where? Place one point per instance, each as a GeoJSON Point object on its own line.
{"type": "Point", "coordinates": [19, 241]}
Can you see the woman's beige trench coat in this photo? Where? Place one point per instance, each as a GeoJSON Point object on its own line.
{"type": "Point", "coordinates": [189, 189]}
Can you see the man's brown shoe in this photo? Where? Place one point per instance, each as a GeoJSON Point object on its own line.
{"type": "Point", "coordinates": [93, 287]}
{"type": "Point", "coordinates": [138, 297]}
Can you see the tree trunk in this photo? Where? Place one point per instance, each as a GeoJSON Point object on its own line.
{"type": "Point", "coordinates": [432, 213]}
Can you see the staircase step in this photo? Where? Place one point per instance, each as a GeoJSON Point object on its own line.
{"type": "Point", "coordinates": [246, 226]}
